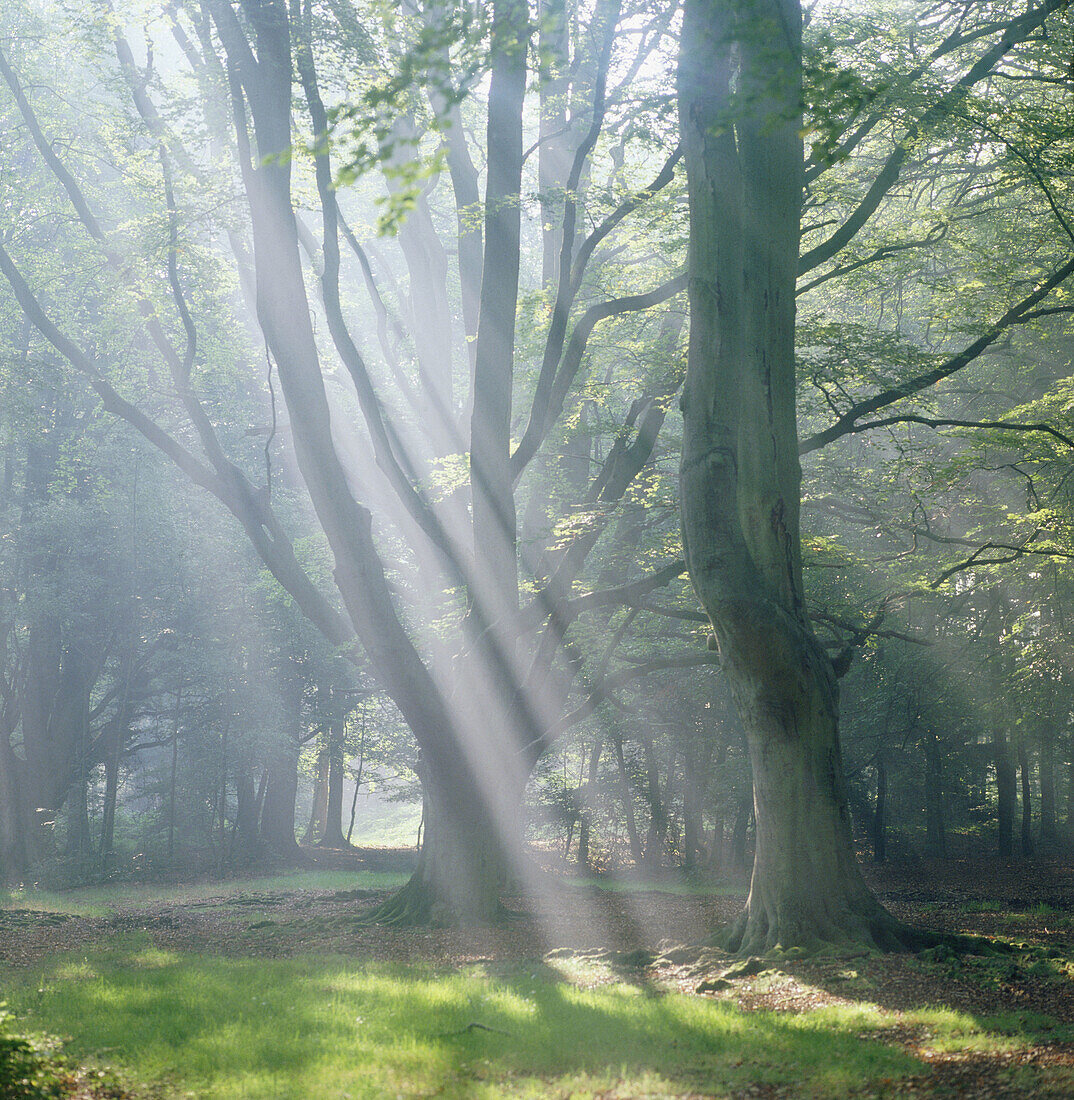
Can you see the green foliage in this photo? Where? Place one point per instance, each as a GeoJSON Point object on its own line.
{"type": "Point", "coordinates": [28, 1069]}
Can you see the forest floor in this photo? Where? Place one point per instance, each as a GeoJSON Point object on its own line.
{"type": "Point", "coordinates": [274, 988]}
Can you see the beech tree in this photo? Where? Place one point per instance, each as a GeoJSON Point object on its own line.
{"type": "Point", "coordinates": [483, 692]}
{"type": "Point", "coordinates": [741, 114]}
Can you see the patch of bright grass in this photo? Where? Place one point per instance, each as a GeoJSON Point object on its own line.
{"type": "Point", "coordinates": [311, 1026]}
{"type": "Point", "coordinates": [985, 905]}
{"type": "Point", "coordinates": [103, 901]}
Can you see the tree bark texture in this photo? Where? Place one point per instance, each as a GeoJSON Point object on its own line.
{"type": "Point", "coordinates": [740, 115]}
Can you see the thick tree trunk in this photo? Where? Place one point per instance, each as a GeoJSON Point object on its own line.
{"type": "Point", "coordinates": [278, 810]}
{"type": "Point", "coordinates": [14, 857]}
{"type": "Point", "coordinates": [462, 867]}
{"type": "Point", "coordinates": [740, 113]}
{"type": "Point", "coordinates": [264, 82]}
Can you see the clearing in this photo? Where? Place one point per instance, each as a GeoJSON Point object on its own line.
{"type": "Point", "coordinates": [274, 988]}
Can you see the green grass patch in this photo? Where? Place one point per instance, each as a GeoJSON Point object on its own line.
{"type": "Point", "coordinates": [103, 901]}
{"type": "Point", "coordinates": [316, 1026]}
{"type": "Point", "coordinates": [985, 905]}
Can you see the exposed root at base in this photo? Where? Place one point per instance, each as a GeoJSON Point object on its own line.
{"type": "Point", "coordinates": [753, 934]}
{"type": "Point", "coordinates": [416, 905]}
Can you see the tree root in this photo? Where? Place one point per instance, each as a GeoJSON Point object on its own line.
{"type": "Point", "coordinates": [876, 930]}
{"type": "Point", "coordinates": [416, 905]}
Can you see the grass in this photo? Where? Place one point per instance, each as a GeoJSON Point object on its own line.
{"type": "Point", "coordinates": [224, 1029]}
{"type": "Point", "coordinates": [986, 905]}
{"type": "Point", "coordinates": [333, 1027]}
{"type": "Point", "coordinates": [103, 901]}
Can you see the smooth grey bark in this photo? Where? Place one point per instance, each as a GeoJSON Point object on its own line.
{"type": "Point", "coordinates": [739, 87]}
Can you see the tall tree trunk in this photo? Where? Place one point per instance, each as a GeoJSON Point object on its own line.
{"type": "Point", "coordinates": [935, 830]}
{"type": "Point", "coordinates": [318, 821]}
{"type": "Point", "coordinates": [263, 81]}
{"type": "Point", "coordinates": [333, 837]}
{"type": "Point", "coordinates": [880, 852]}
{"type": "Point", "coordinates": [658, 820]}
{"type": "Point", "coordinates": [1006, 794]}
{"type": "Point", "coordinates": [111, 794]}
{"type": "Point", "coordinates": [627, 796]}
{"type": "Point", "coordinates": [1070, 789]}
{"type": "Point", "coordinates": [1048, 826]}
{"type": "Point", "coordinates": [740, 79]}
{"type": "Point", "coordinates": [1027, 800]}
{"type": "Point", "coordinates": [460, 869]}
{"type": "Point", "coordinates": [585, 804]}
{"type": "Point", "coordinates": [278, 810]}
{"type": "Point", "coordinates": [14, 857]}
{"type": "Point", "coordinates": [693, 791]}
{"type": "Point", "coordinates": [244, 835]}
{"type": "Point", "coordinates": [738, 834]}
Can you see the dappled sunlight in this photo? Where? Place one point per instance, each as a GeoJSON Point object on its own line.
{"type": "Point", "coordinates": [220, 1027]}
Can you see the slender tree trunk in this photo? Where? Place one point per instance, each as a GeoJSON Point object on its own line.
{"type": "Point", "coordinates": [880, 853]}
{"type": "Point", "coordinates": [78, 831]}
{"type": "Point", "coordinates": [627, 796]}
{"type": "Point", "coordinates": [738, 834]}
{"type": "Point", "coordinates": [693, 827]}
{"type": "Point", "coordinates": [1070, 789]}
{"type": "Point", "coordinates": [585, 804]}
{"type": "Point", "coordinates": [1048, 827]}
{"type": "Point", "coordinates": [244, 836]}
{"type": "Point", "coordinates": [658, 820]}
{"type": "Point", "coordinates": [333, 837]}
{"type": "Point", "coordinates": [1027, 800]}
{"type": "Point", "coordinates": [111, 794]}
{"type": "Point", "coordinates": [935, 831]}
{"type": "Point", "coordinates": [357, 776]}
{"type": "Point", "coordinates": [318, 822]}
{"type": "Point", "coordinates": [1006, 794]}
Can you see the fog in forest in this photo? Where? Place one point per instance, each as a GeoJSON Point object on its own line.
{"type": "Point", "coordinates": [535, 479]}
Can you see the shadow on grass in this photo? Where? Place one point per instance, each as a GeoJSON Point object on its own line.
{"type": "Point", "coordinates": [315, 1026]}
